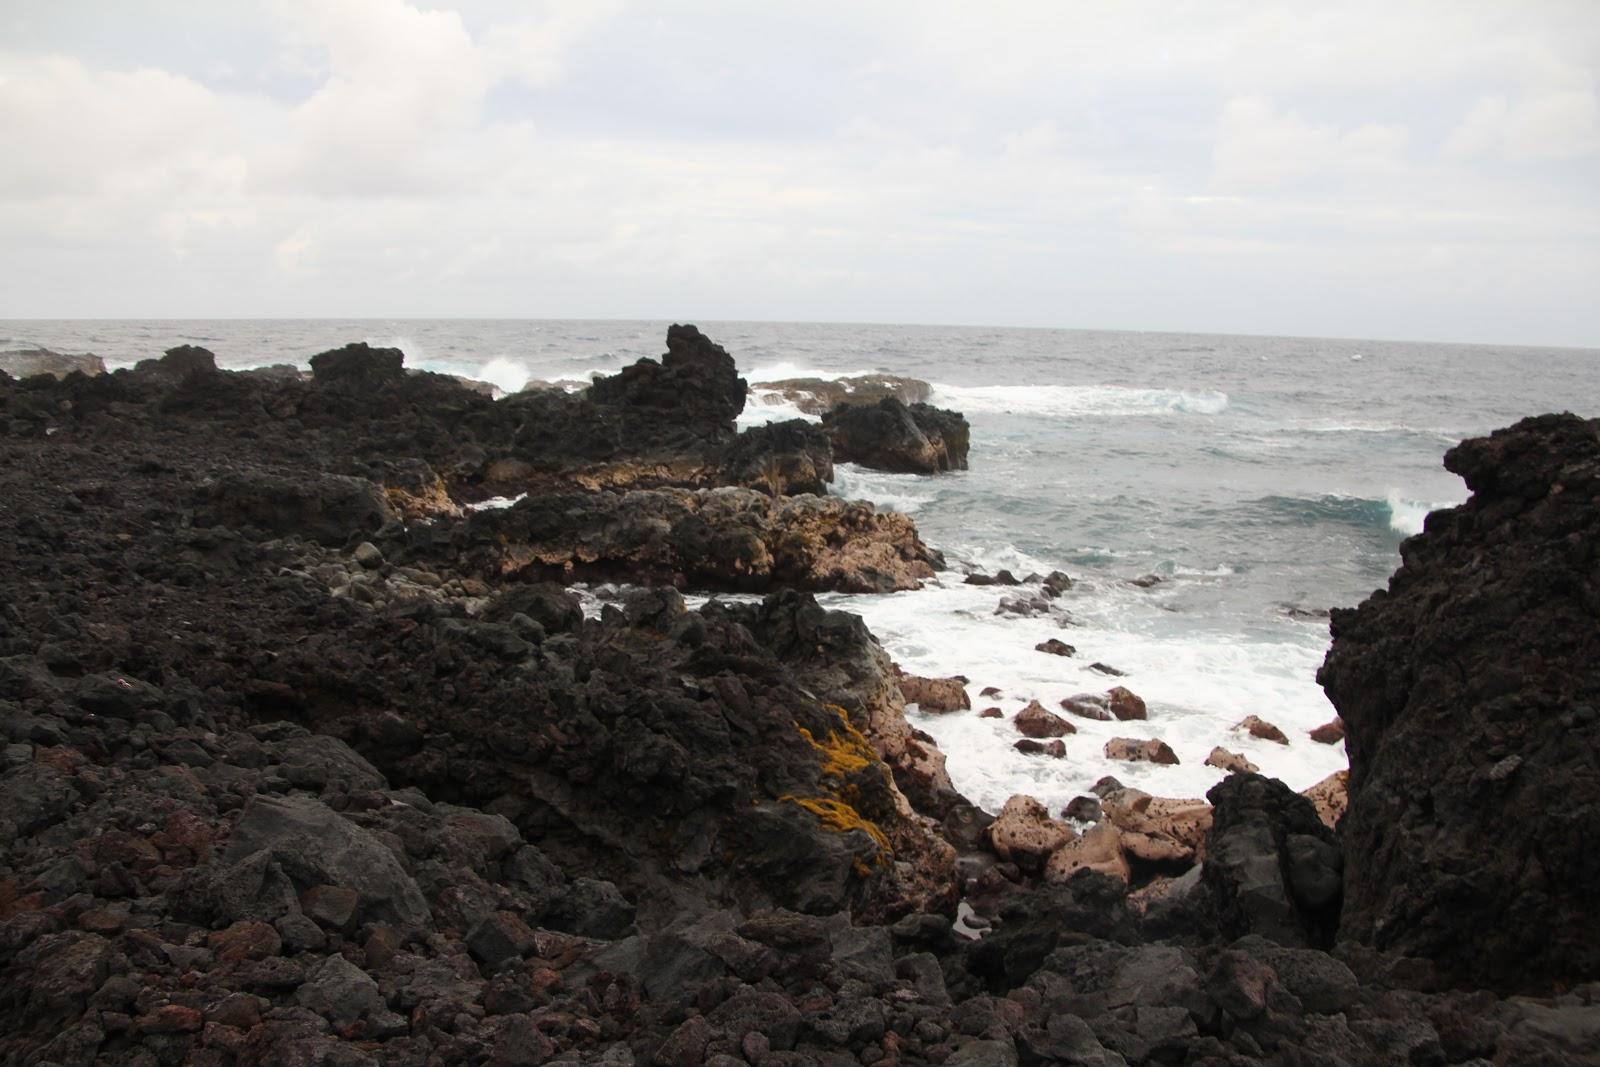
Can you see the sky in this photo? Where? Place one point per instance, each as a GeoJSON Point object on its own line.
{"type": "Point", "coordinates": [1392, 169]}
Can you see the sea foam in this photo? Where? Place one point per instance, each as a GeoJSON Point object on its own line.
{"type": "Point", "coordinates": [1070, 401]}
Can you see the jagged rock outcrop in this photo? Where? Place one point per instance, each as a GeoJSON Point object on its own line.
{"type": "Point", "coordinates": [719, 538]}
{"type": "Point", "coordinates": [891, 436]}
{"type": "Point", "coordinates": [1470, 694]}
{"type": "Point", "coordinates": [29, 361]}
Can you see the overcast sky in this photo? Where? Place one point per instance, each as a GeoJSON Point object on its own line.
{"type": "Point", "coordinates": [1385, 169]}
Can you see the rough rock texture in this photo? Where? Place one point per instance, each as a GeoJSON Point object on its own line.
{"type": "Point", "coordinates": [270, 799]}
{"type": "Point", "coordinates": [1470, 693]}
{"type": "Point", "coordinates": [27, 362]}
{"type": "Point", "coordinates": [735, 539]}
{"type": "Point", "coordinates": [1034, 721]}
{"type": "Point", "coordinates": [893, 437]}
{"type": "Point", "coordinates": [816, 396]}
{"type": "Point", "coordinates": [1272, 866]}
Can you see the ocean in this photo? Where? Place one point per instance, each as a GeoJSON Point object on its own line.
{"type": "Point", "coordinates": [1262, 480]}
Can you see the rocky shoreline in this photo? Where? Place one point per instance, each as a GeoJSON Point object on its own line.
{"type": "Point", "coordinates": [309, 760]}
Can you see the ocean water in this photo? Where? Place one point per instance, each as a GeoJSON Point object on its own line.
{"type": "Point", "coordinates": [1264, 480]}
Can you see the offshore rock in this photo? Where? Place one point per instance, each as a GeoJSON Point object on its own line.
{"type": "Point", "coordinates": [890, 436]}
{"type": "Point", "coordinates": [1470, 693]}
{"type": "Point", "coordinates": [816, 396]}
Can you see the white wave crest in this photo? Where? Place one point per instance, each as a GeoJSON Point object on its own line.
{"type": "Point", "coordinates": [1069, 401]}
{"type": "Point", "coordinates": [1407, 516]}
{"type": "Point", "coordinates": [504, 374]}
{"type": "Point", "coordinates": [765, 405]}
{"type": "Point", "coordinates": [904, 493]}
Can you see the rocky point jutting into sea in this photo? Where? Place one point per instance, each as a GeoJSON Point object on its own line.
{"type": "Point", "coordinates": [310, 759]}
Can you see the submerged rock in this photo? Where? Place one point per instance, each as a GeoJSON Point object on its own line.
{"type": "Point", "coordinates": [1469, 690]}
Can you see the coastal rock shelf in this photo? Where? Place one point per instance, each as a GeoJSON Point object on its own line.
{"type": "Point", "coordinates": [307, 761]}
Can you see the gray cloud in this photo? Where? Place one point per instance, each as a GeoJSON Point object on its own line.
{"type": "Point", "coordinates": [1398, 169]}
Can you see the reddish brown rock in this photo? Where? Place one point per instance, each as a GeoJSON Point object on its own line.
{"type": "Point", "coordinates": [331, 906]}
{"type": "Point", "coordinates": [170, 1019]}
{"type": "Point", "coordinates": [1159, 829]}
{"type": "Point", "coordinates": [1055, 647]}
{"type": "Point", "coordinates": [991, 713]}
{"type": "Point", "coordinates": [1230, 761]}
{"type": "Point", "coordinates": [1030, 747]}
{"type": "Point", "coordinates": [1099, 849]}
{"type": "Point", "coordinates": [1329, 733]}
{"type": "Point", "coordinates": [989, 691]}
{"type": "Point", "coordinates": [1259, 728]}
{"type": "Point", "coordinates": [1035, 721]}
{"type": "Point", "coordinates": [1115, 703]}
{"type": "Point", "coordinates": [247, 939]}
{"type": "Point", "coordinates": [1330, 797]}
{"type": "Point", "coordinates": [1135, 750]}
{"type": "Point", "coordinates": [935, 694]}
{"type": "Point", "coordinates": [1024, 833]}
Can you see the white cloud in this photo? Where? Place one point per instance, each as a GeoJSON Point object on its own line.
{"type": "Point", "coordinates": [1563, 124]}
{"type": "Point", "coordinates": [1261, 148]}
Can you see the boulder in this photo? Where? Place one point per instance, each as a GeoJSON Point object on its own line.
{"type": "Point", "coordinates": [1034, 721]}
{"type": "Point", "coordinates": [315, 845]}
{"type": "Point", "coordinates": [1056, 749]}
{"type": "Point", "coordinates": [1023, 833]}
{"type": "Point", "coordinates": [1271, 865]}
{"type": "Point", "coordinates": [1470, 693]}
{"type": "Point", "coordinates": [893, 437]}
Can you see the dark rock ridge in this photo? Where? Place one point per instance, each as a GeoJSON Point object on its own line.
{"type": "Point", "coordinates": [281, 788]}
{"type": "Point", "coordinates": [1469, 692]}
{"type": "Point", "coordinates": [817, 396]}
{"type": "Point", "coordinates": [890, 436]}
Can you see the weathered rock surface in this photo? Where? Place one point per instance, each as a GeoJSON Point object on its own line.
{"type": "Point", "coordinates": [735, 539]}
{"type": "Point", "coordinates": [1470, 693]}
{"type": "Point", "coordinates": [893, 437]}
{"type": "Point", "coordinates": [27, 362]}
{"type": "Point", "coordinates": [817, 396]}
{"type": "Point", "coordinates": [268, 798]}
{"type": "Point", "coordinates": [1034, 721]}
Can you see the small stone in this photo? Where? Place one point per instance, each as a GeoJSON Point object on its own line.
{"type": "Point", "coordinates": [368, 555]}
{"type": "Point", "coordinates": [1329, 733]}
{"type": "Point", "coordinates": [1030, 747]}
{"type": "Point", "coordinates": [245, 940]}
{"type": "Point", "coordinates": [991, 713]}
{"type": "Point", "coordinates": [1083, 809]}
{"type": "Point", "coordinates": [1034, 721]}
{"type": "Point", "coordinates": [1106, 668]}
{"type": "Point", "coordinates": [989, 691]}
{"type": "Point", "coordinates": [170, 1019]}
{"type": "Point", "coordinates": [498, 937]}
{"type": "Point", "coordinates": [1135, 750]}
{"type": "Point", "coordinates": [1259, 728]}
{"type": "Point", "coordinates": [1056, 647]}
{"type": "Point", "coordinates": [331, 906]}
{"type": "Point", "coordinates": [1232, 762]}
